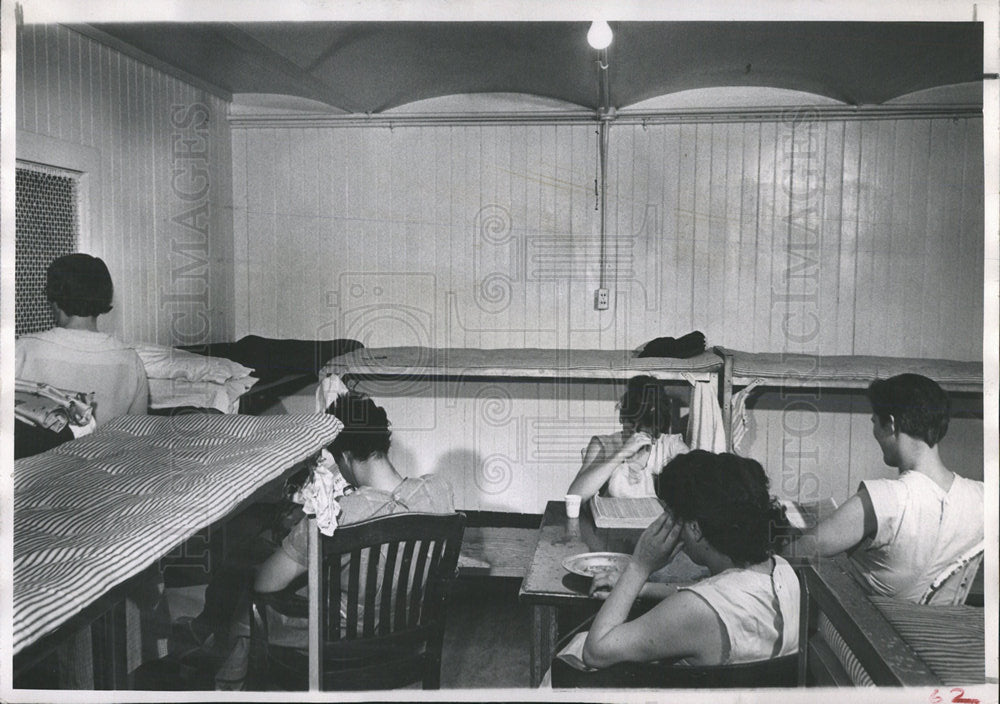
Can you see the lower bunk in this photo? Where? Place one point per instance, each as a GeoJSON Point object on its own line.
{"type": "Point", "coordinates": [850, 638]}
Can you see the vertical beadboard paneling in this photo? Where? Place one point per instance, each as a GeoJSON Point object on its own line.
{"type": "Point", "coordinates": [880, 219]}
{"type": "Point", "coordinates": [79, 92]}
{"type": "Point", "coordinates": [733, 207]}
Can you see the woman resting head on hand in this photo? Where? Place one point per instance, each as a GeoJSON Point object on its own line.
{"type": "Point", "coordinates": [616, 464]}
{"type": "Point", "coordinates": [719, 512]}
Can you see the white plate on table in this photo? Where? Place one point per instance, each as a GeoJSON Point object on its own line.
{"type": "Point", "coordinates": [590, 564]}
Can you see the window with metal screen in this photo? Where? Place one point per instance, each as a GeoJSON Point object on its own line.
{"type": "Point", "coordinates": [47, 227]}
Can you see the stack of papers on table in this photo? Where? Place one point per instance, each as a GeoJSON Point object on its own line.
{"type": "Point", "coordinates": [610, 512]}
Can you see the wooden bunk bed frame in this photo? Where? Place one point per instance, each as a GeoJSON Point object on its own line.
{"type": "Point", "coordinates": [779, 369]}
{"type": "Point", "coordinates": [510, 363]}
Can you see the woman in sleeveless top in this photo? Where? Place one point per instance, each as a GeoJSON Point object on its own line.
{"type": "Point", "coordinates": [623, 464]}
{"type": "Point", "coordinates": [720, 514]}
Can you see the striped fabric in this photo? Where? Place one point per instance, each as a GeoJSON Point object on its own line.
{"type": "Point", "coordinates": [950, 639]}
{"type": "Point", "coordinates": [95, 511]}
{"type": "Point", "coordinates": [855, 670]}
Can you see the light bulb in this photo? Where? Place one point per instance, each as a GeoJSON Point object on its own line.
{"type": "Point", "coordinates": [599, 35]}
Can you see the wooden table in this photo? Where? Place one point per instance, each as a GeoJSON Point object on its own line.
{"type": "Point", "coordinates": [547, 586]}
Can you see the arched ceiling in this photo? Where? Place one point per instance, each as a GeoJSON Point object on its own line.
{"type": "Point", "coordinates": [371, 67]}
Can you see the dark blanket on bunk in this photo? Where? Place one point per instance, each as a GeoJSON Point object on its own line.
{"type": "Point", "coordinates": [683, 347]}
{"type": "Point", "coordinates": [272, 359]}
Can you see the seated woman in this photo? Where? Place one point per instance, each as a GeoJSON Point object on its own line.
{"type": "Point", "coordinates": [360, 451]}
{"type": "Point", "coordinates": [719, 512]}
{"type": "Point", "coordinates": [74, 355]}
{"type": "Point", "coordinates": [618, 464]}
{"type": "Point", "coordinates": [902, 532]}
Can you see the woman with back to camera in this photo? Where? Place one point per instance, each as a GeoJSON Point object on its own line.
{"type": "Point", "coordinates": [616, 464]}
{"type": "Point", "coordinates": [719, 512]}
{"type": "Point", "coordinates": [74, 355]}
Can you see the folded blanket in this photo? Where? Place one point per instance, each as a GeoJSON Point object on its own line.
{"type": "Point", "coordinates": [173, 393]}
{"type": "Point", "coordinates": [690, 345]}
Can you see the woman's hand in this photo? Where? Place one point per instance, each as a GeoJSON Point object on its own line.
{"type": "Point", "coordinates": [603, 583]}
{"type": "Point", "coordinates": [637, 447]}
{"type": "Point", "coordinates": [658, 543]}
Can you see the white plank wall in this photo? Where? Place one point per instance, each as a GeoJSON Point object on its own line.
{"type": "Point", "coordinates": [76, 92]}
{"type": "Point", "coordinates": [832, 237]}
{"type": "Point", "coordinates": [809, 236]}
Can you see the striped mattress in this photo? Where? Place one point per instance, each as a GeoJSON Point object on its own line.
{"type": "Point", "coordinates": [93, 512]}
{"type": "Point", "coordinates": [950, 639]}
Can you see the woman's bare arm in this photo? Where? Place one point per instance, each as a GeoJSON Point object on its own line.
{"type": "Point", "coordinates": [277, 572]}
{"type": "Point", "coordinates": [598, 466]}
{"type": "Point", "coordinates": [843, 530]}
{"type": "Point", "coordinates": [681, 625]}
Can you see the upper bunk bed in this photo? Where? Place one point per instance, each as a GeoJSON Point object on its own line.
{"type": "Point", "coordinates": [529, 363]}
{"type": "Point", "coordinates": [843, 371]}
{"type": "Point", "coordinates": [782, 369]}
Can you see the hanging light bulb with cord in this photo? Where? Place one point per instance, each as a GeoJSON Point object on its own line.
{"type": "Point", "coordinates": [599, 35]}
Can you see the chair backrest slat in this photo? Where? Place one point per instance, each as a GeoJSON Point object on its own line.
{"type": "Point", "coordinates": [417, 585]}
{"type": "Point", "coordinates": [405, 577]}
{"type": "Point", "coordinates": [353, 592]}
{"type": "Point", "coordinates": [390, 580]}
{"type": "Point", "coordinates": [371, 587]}
{"type": "Point", "coordinates": [331, 588]}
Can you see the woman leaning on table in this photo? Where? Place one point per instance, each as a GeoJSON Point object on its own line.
{"type": "Point", "coordinates": [719, 512]}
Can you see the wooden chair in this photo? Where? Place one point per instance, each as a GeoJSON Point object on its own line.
{"type": "Point", "coordinates": [953, 584]}
{"type": "Point", "coordinates": [382, 626]}
{"type": "Point", "coordinates": [777, 672]}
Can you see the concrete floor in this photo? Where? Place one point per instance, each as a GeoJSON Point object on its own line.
{"type": "Point", "coordinates": [487, 636]}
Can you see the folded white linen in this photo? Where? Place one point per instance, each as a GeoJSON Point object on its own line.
{"type": "Point", "coordinates": [171, 393]}
{"type": "Point", "coordinates": [163, 362]}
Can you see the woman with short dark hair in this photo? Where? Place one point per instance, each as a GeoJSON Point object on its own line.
{"type": "Point", "coordinates": [902, 532]}
{"type": "Point", "coordinates": [719, 512]}
{"type": "Point", "coordinates": [74, 355]}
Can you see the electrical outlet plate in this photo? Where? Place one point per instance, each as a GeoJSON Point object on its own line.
{"type": "Point", "coordinates": [602, 299]}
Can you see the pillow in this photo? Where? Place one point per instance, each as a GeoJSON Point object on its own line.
{"type": "Point", "coordinates": [172, 393]}
{"type": "Point", "coordinates": [171, 363]}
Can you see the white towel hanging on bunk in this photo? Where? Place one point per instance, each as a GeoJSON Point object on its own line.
{"type": "Point", "coordinates": [705, 430]}
{"type": "Point", "coordinates": [741, 419]}
{"type": "Point", "coordinates": [330, 388]}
